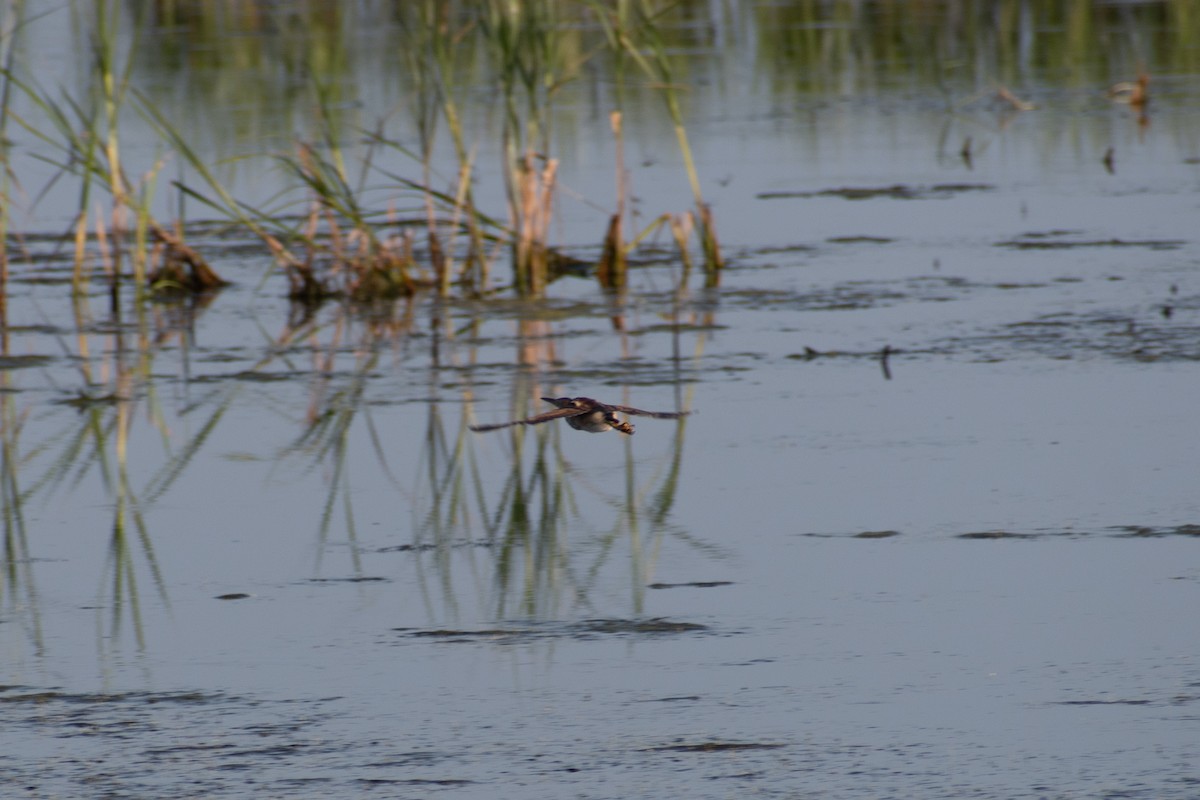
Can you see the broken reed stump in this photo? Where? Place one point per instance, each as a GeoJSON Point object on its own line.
{"type": "Point", "coordinates": [612, 269]}
{"type": "Point", "coordinates": [714, 262]}
{"type": "Point", "coordinates": [180, 267]}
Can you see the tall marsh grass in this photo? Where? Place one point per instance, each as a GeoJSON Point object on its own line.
{"type": "Point", "coordinates": [336, 238]}
{"type": "Point", "coordinates": [373, 215]}
{"type": "Point", "coordinates": [81, 137]}
{"type": "Point", "coordinates": [634, 31]}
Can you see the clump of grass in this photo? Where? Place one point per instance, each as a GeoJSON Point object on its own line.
{"type": "Point", "coordinates": [359, 262]}
{"type": "Point", "coordinates": [336, 250]}
{"type": "Point", "coordinates": [525, 42]}
{"type": "Point", "coordinates": [339, 244]}
{"type": "Point", "coordinates": [434, 56]}
{"type": "Point", "coordinates": [633, 32]}
{"type": "Point", "coordinates": [178, 266]}
{"type": "Point", "coordinates": [86, 136]}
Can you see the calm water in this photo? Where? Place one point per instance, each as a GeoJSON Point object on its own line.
{"type": "Point", "coordinates": [970, 570]}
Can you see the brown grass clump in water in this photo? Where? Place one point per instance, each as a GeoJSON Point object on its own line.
{"type": "Point", "coordinates": [180, 266]}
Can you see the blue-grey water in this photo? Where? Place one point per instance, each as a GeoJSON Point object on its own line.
{"type": "Point", "coordinates": [249, 554]}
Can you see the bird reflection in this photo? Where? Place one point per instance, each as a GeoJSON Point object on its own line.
{"type": "Point", "coordinates": [586, 414]}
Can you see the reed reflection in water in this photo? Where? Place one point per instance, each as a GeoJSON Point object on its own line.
{"type": "Point", "coordinates": [530, 515]}
{"type": "Point", "coordinates": [528, 519]}
{"type": "Point", "coordinates": [115, 399]}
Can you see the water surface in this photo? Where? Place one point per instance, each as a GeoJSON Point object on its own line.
{"type": "Point", "coordinates": [258, 552]}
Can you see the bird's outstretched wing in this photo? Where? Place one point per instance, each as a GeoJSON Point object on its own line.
{"type": "Point", "coordinates": [557, 413]}
{"type": "Point", "coordinates": [656, 414]}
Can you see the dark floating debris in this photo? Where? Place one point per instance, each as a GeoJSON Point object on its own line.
{"type": "Point", "coordinates": [864, 239]}
{"type": "Point", "coordinates": [860, 535]}
{"type": "Point", "coordinates": [425, 547]}
{"type": "Point", "coordinates": [23, 361]}
{"type": "Point", "coordinates": [653, 625]}
{"type": "Point", "coordinates": [690, 584]}
{"type": "Point", "coordinates": [1046, 242]}
{"type": "Point", "coordinates": [43, 697]}
{"type": "Point", "coordinates": [876, 535]}
{"type": "Point", "coordinates": [811, 354]}
{"type": "Point", "coordinates": [897, 191]}
{"type": "Point", "coordinates": [1151, 532]}
{"type": "Point", "coordinates": [583, 629]}
{"type": "Point", "coordinates": [1150, 338]}
{"type": "Point", "coordinates": [713, 747]}
{"type": "Point", "coordinates": [445, 782]}
{"type": "Point", "coordinates": [689, 698]}
{"type": "Point", "coordinates": [352, 579]}
{"type": "Point", "coordinates": [232, 596]}
{"type": "Point", "coordinates": [1118, 531]}
{"type": "Point", "coordinates": [82, 400]}
{"type": "Point", "coordinates": [996, 535]}
{"type": "Point", "coordinates": [451, 633]}
{"type": "Point", "coordinates": [1103, 703]}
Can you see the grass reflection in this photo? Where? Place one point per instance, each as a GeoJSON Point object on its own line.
{"type": "Point", "coordinates": [18, 591]}
{"type": "Point", "coordinates": [530, 538]}
{"type": "Point", "coordinates": [114, 362]}
{"type": "Point", "coordinates": [556, 524]}
{"type": "Point", "coordinates": [551, 526]}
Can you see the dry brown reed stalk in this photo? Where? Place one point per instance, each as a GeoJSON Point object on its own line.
{"type": "Point", "coordinates": [681, 230]}
{"type": "Point", "coordinates": [106, 260]}
{"type": "Point", "coordinates": [461, 211]}
{"type": "Point", "coordinates": [531, 222]}
{"type": "Point", "coordinates": [1017, 104]}
{"type": "Point", "coordinates": [337, 245]}
{"type": "Point", "coordinates": [438, 259]}
{"type": "Point", "coordinates": [79, 277]}
{"type": "Point", "coordinates": [303, 283]}
{"type": "Point", "coordinates": [613, 267]}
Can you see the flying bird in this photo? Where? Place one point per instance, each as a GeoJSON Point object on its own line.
{"type": "Point", "coordinates": [585, 414]}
